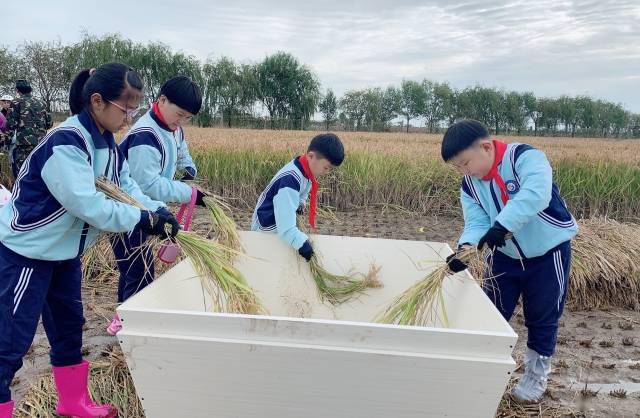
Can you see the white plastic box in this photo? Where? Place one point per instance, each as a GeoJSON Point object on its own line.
{"type": "Point", "coordinates": [308, 359]}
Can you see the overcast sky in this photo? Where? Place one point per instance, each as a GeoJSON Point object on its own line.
{"type": "Point", "coordinates": [549, 47]}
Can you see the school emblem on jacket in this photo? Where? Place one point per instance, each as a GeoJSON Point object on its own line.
{"type": "Point", "coordinates": [512, 186]}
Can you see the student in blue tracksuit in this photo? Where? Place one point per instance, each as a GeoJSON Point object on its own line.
{"type": "Point", "coordinates": [511, 205]}
{"type": "Point", "coordinates": [54, 215]}
{"type": "Point", "coordinates": [156, 149]}
{"type": "Point", "coordinates": [290, 188]}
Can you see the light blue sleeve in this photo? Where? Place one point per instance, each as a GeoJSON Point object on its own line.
{"type": "Point", "coordinates": [184, 157]}
{"type": "Point", "coordinates": [536, 183]}
{"type": "Point", "coordinates": [476, 220]}
{"type": "Point", "coordinates": [79, 196]}
{"type": "Point", "coordinates": [133, 189]}
{"type": "Point", "coordinates": [144, 163]}
{"type": "Point", "coordinates": [285, 204]}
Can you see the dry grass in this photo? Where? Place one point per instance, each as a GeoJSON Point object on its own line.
{"type": "Point", "coordinates": [99, 263]}
{"type": "Point", "coordinates": [618, 393]}
{"type": "Point", "coordinates": [606, 343]}
{"type": "Point", "coordinates": [625, 326]}
{"type": "Point", "coordinates": [606, 265]}
{"type": "Point", "coordinates": [587, 343]}
{"type": "Point", "coordinates": [548, 408]}
{"type": "Point", "coordinates": [628, 341]}
{"type": "Point", "coordinates": [408, 145]}
{"type": "Point", "coordinates": [588, 393]}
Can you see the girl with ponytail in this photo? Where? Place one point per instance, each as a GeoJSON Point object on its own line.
{"type": "Point", "coordinates": [54, 215]}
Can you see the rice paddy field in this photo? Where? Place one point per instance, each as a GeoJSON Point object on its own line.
{"type": "Point", "coordinates": [597, 177]}
{"type": "Point", "coordinates": [394, 185]}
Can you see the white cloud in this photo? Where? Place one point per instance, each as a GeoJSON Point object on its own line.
{"type": "Point", "coordinates": [550, 47]}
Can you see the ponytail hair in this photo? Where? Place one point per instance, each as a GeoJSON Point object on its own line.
{"type": "Point", "coordinates": [109, 80]}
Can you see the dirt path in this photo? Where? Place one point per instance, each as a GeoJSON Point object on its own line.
{"type": "Point", "coordinates": [598, 349]}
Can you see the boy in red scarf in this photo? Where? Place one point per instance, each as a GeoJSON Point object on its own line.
{"type": "Point", "coordinates": [511, 205]}
{"type": "Point", "coordinates": [157, 154]}
{"type": "Point", "coordinates": [288, 191]}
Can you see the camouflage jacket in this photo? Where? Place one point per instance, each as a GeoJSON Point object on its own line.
{"type": "Point", "coordinates": [29, 120]}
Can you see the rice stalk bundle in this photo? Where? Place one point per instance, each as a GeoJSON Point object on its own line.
{"type": "Point", "coordinates": [423, 303]}
{"type": "Point", "coordinates": [336, 288]}
{"type": "Point", "coordinates": [226, 284]}
{"type": "Point", "coordinates": [224, 226]}
{"type": "Point", "coordinates": [229, 288]}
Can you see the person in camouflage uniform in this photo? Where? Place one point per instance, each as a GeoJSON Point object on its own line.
{"type": "Point", "coordinates": [28, 120]}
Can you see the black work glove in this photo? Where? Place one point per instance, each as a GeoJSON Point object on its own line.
{"type": "Point", "coordinates": [154, 223]}
{"type": "Point", "coordinates": [300, 210]}
{"type": "Point", "coordinates": [200, 198]}
{"type": "Point", "coordinates": [456, 265]}
{"type": "Point", "coordinates": [189, 174]}
{"type": "Point", "coordinates": [494, 238]}
{"type": "Point", "coordinates": [306, 251]}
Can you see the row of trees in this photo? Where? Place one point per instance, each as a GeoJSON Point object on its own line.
{"type": "Point", "coordinates": [280, 92]}
{"type": "Point", "coordinates": [287, 90]}
{"type": "Point", "coordinates": [438, 104]}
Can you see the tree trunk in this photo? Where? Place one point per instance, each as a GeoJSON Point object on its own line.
{"type": "Point", "coordinates": [408, 123]}
{"type": "Point", "coordinates": [270, 118]}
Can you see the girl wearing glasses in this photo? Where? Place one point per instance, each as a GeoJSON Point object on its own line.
{"type": "Point", "coordinates": [156, 149]}
{"type": "Point", "coordinates": [54, 215]}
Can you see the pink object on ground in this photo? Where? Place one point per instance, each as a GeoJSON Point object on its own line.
{"type": "Point", "coordinates": [115, 326]}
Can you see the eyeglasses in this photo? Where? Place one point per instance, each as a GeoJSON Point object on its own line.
{"type": "Point", "coordinates": [130, 114]}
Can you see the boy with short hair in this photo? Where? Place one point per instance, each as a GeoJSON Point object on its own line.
{"type": "Point", "coordinates": [290, 188]}
{"type": "Point", "coordinates": [155, 148]}
{"type": "Point", "coordinates": [511, 205]}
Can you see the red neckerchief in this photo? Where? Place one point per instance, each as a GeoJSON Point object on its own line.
{"type": "Point", "coordinates": [156, 110]}
{"type": "Point", "coordinates": [500, 148]}
{"type": "Point", "coordinates": [313, 204]}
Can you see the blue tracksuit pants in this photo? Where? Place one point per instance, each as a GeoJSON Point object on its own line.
{"type": "Point", "coordinates": [30, 288]}
{"type": "Point", "coordinates": [135, 262]}
{"type": "Point", "coordinates": [543, 285]}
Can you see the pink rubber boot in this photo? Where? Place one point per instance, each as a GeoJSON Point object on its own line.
{"type": "Point", "coordinates": [6, 409]}
{"type": "Point", "coordinates": [115, 326]}
{"type": "Point", "coordinates": [73, 394]}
